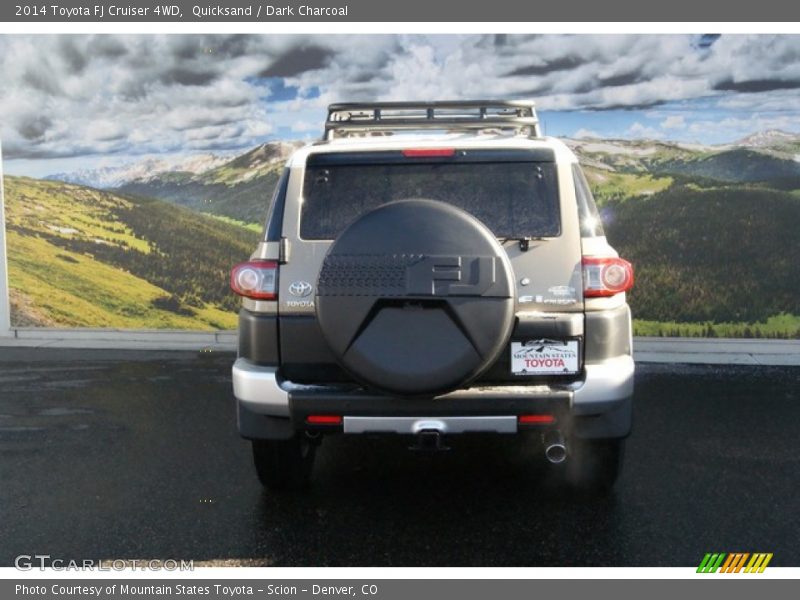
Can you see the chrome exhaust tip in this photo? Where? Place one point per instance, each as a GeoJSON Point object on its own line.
{"type": "Point", "coordinates": [555, 448]}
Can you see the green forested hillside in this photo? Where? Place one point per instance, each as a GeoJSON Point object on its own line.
{"type": "Point", "coordinates": [739, 164]}
{"type": "Point", "coordinates": [726, 254]}
{"type": "Point", "coordinates": [712, 234]}
{"type": "Point", "coordinates": [239, 189]}
{"type": "Point", "coordinates": [608, 186]}
{"type": "Point", "coordinates": [245, 201]}
{"type": "Point", "coordinates": [83, 257]}
{"type": "Point", "coordinates": [664, 159]}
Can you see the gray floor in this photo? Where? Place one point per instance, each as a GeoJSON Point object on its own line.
{"type": "Point", "coordinates": [120, 454]}
{"type": "Point", "coordinates": [646, 349]}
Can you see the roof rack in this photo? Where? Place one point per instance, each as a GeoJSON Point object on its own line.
{"type": "Point", "coordinates": [383, 118]}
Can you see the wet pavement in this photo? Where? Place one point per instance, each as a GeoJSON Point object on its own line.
{"type": "Point", "coordinates": [135, 455]}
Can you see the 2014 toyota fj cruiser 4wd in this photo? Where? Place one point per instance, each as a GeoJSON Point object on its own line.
{"type": "Point", "coordinates": [434, 269]}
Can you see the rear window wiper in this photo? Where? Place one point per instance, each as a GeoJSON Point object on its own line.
{"type": "Point", "coordinates": [524, 241]}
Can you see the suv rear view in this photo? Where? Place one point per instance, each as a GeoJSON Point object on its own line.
{"type": "Point", "coordinates": [428, 270]}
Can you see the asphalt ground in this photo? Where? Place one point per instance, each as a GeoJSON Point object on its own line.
{"type": "Point", "coordinates": [135, 455]}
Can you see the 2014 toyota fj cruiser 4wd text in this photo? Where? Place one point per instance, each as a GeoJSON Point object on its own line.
{"type": "Point", "coordinates": [434, 269]}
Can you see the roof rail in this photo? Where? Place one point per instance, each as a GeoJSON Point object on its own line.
{"type": "Point", "coordinates": [462, 115]}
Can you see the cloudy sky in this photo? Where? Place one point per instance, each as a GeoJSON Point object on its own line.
{"type": "Point", "coordinates": [77, 101]}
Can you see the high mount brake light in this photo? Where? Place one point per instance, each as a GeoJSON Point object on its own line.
{"type": "Point", "coordinates": [606, 276]}
{"type": "Point", "coordinates": [256, 279]}
{"type": "Point", "coordinates": [428, 152]}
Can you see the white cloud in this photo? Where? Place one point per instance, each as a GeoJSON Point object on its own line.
{"type": "Point", "coordinates": [74, 95]}
{"type": "Point", "coordinates": [637, 130]}
{"type": "Point", "coordinates": [737, 127]}
{"type": "Point", "coordinates": [585, 133]}
{"type": "Point", "coordinates": [673, 122]}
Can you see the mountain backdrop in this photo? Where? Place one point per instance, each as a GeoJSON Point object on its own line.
{"type": "Point", "coordinates": [238, 187]}
{"type": "Point", "coordinates": [711, 231]}
{"type": "Point", "coordinates": [82, 257]}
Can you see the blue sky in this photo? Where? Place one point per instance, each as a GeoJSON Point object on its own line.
{"type": "Point", "coordinates": [77, 102]}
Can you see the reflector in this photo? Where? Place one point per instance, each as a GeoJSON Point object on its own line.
{"type": "Point", "coordinates": [536, 419]}
{"type": "Point", "coordinates": [324, 420]}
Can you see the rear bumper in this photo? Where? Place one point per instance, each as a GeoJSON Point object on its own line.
{"type": "Point", "coordinates": [598, 407]}
{"type": "Point", "coordinates": [415, 425]}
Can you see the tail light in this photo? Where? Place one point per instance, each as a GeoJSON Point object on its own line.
{"type": "Point", "coordinates": [606, 276]}
{"type": "Point", "coordinates": [256, 279]}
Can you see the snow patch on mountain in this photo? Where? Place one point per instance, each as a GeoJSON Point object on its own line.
{"type": "Point", "coordinates": [141, 171]}
{"type": "Point", "coordinates": [769, 138]}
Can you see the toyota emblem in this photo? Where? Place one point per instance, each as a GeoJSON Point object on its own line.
{"type": "Point", "coordinates": [300, 288]}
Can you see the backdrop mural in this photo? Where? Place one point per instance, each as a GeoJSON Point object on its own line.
{"type": "Point", "coordinates": [139, 168]}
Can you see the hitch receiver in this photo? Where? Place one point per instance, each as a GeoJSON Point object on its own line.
{"type": "Point", "coordinates": [429, 440]}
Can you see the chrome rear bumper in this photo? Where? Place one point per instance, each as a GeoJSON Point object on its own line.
{"type": "Point", "coordinates": [415, 425]}
{"type": "Point", "coordinates": [262, 390]}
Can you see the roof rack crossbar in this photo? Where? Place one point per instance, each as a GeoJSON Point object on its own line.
{"type": "Point", "coordinates": [462, 115]}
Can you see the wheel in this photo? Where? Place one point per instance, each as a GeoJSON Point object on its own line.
{"type": "Point", "coordinates": [593, 465]}
{"type": "Point", "coordinates": [284, 464]}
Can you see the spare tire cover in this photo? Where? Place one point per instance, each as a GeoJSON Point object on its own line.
{"type": "Point", "coordinates": [415, 298]}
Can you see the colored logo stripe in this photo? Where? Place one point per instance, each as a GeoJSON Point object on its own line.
{"type": "Point", "coordinates": [758, 563]}
{"type": "Point", "coordinates": [734, 562]}
{"type": "Point", "coordinates": [711, 563]}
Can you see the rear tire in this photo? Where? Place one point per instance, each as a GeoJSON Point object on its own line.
{"type": "Point", "coordinates": [594, 465]}
{"type": "Point", "coordinates": [284, 464]}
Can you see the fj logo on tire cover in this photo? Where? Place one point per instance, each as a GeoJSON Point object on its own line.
{"type": "Point", "coordinates": [450, 276]}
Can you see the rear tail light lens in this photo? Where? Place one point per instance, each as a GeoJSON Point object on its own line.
{"type": "Point", "coordinates": [606, 276]}
{"type": "Point", "coordinates": [256, 279]}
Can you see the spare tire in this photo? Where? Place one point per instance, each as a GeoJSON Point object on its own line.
{"type": "Point", "coordinates": [416, 298]}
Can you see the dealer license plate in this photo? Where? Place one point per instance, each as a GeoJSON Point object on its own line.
{"type": "Point", "coordinates": [544, 357]}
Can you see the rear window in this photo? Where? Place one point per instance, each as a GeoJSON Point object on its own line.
{"type": "Point", "coordinates": [514, 199]}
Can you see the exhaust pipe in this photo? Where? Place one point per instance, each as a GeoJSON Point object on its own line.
{"type": "Point", "coordinates": [555, 448]}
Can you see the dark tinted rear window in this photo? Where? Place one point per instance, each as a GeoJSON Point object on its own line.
{"type": "Point", "coordinates": [513, 199]}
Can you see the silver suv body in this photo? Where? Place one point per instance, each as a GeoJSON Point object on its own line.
{"type": "Point", "coordinates": [431, 270]}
